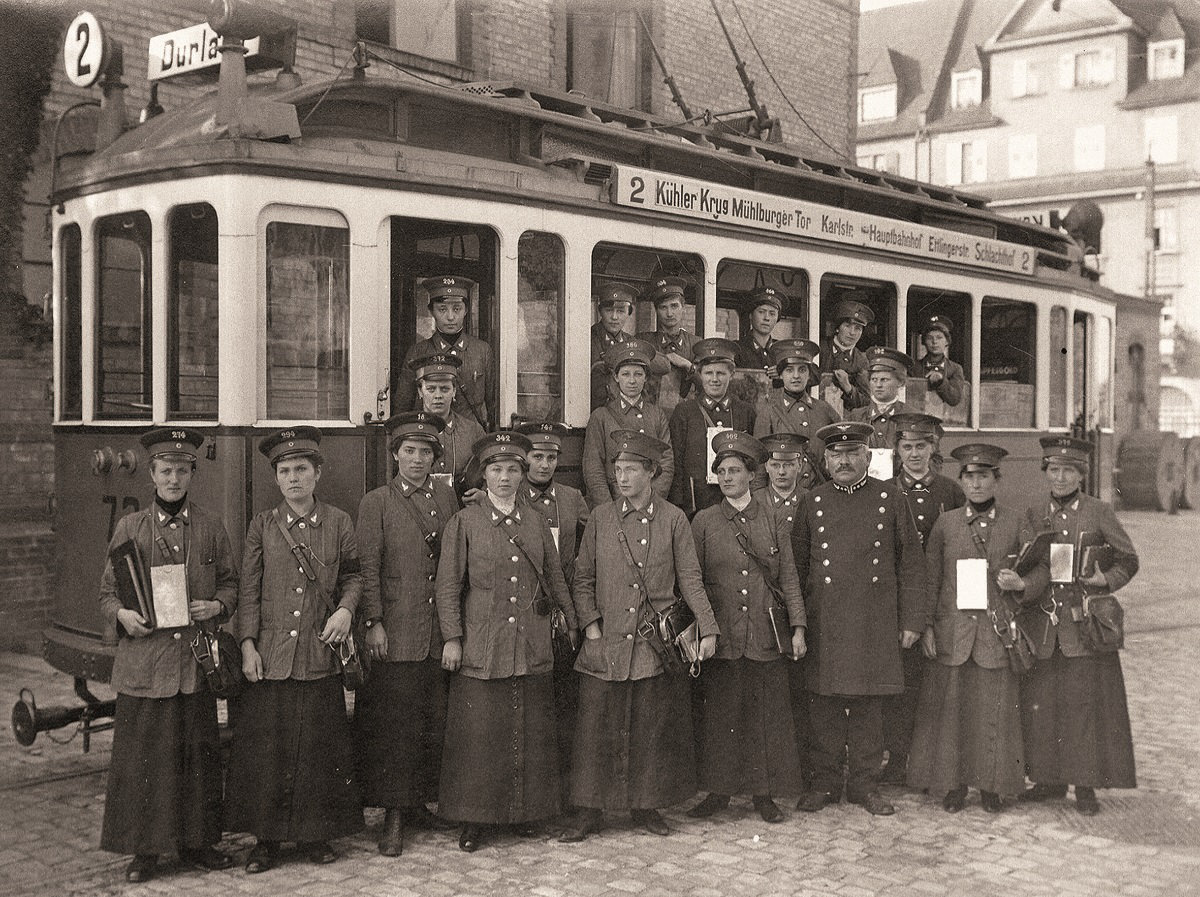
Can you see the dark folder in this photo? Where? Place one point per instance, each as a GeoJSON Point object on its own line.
{"type": "Point", "coordinates": [133, 589]}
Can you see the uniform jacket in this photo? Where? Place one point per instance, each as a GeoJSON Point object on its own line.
{"type": "Point", "coordinates": [609, 590]}
{"type": "Point", "coordinates": [399, 563]}
{"type": "Point", "coordinates": [1083, 521]}
{"type": "Point", "coordinates": [928, 497]}
{"type": "Point", "coordinates": [969, 634]}
{"type": "Point", "coordinates": [734, 582]}
{"type": "Point", "coordinates": [885, 429]}
{"type": "Point", "coordinates": [475, 376]}
{"type": "Point", "coordinates": [689, 439]}
{"type": "Point", "coordinates": [954, 382]}
{"type": "Point", "coordinates": [852, 361]}
{"type": "Point", "coordinates": [681, 344]}
{"type": "Point", "coordinates": [751, 355]}
{"type": "Point", "coordinates": [161, 664]}
{"type": "Point", "coordinates": [782, 506]}
{"type": "Point", "coordinates": [602, 340]}
{"type": "Point", "coordinates": [563, 507]}
{"type": "Point", "coordinates": [862, 571]}
{"type": "Point", "coordinates": [457, 439]}
{"type": "Point", "coordinates": [644, 417]}
{"type": "Point", "coordinates": [277, 604]}
{"type": "Point", "coordinates": [487, 588]}
{"type": "Point", "coordinates": [804, 415]}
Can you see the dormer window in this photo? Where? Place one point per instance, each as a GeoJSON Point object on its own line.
{"type": "Point", "coordinates": [1164, 59]}
{"type": "Point", "coordinates": [877, 103]}
{"type": "Point", "coordinates": [966, 89]}
{"type": "Point", "coordinates": [1089, 68]}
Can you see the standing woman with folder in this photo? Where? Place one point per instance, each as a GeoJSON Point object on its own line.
{"type": "Point", "coordinates": [291, 770]}
{"type": "Point", "coordinates": [164, 782]}
{"type": "Point", "coordinates": [746, 744]}
{"type": "Point", "coordinates": [968, 728]}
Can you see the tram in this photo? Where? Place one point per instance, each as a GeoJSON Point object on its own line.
{"type": "Point", "coordinates": [213, 271]}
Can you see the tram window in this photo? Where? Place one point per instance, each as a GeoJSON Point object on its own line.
{"type": "Point", "coordinates": [192, 314]}
{"type": "Point", "coordinates": [946, 399]}
{"type": "Point", "coordinates": [541, 262]}
{"type": "Point", "coordinates": [308, 308]}
{"type": "Point", "coordinates": [123, 383]}
{"type": "Point", "coordinates": [1007, 363]}
{"type": "Point", "coordinates": [736, 279]}
{"type": "Point", "coordinates": [1058, 366]}
{"type": "Point", "coordinates": [1090, 370]}
{"type": "Point", "coordinates": [70, 356]}
{"type": "Point", "coordinates": [877, 295]}
{"type": "Point", "coordinates": [641, 268]}
{"type": "Point", "coordinates": [422, 248]}
{"type": "Point", "coordinates": [1102, 373]}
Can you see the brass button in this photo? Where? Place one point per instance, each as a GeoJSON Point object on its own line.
{"type": "Point", "coordinates": [512, 579]}
{"type": "Point", "coordinates": [176, 636]}
{"type": "Point", "coordinates": [295, 613]}
{"type": "Point", "coordinates": [301, 524]}
{"type": "Point", "coordinates": [629, 635]}
{"type": "Point", "coordinates": [299, 590]}
{"type": "Point", "coordinates": [292, 633]}
{"type": "Point", "coordinates": [512, 619]}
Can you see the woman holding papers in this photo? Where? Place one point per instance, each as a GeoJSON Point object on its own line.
{"type": "Point", "coordinates": [168, 565]}
{"type": "Point", "coordinates": [968, 730]}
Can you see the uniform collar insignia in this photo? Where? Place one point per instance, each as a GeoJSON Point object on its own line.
{"type": "Point", "coordinates": [850, 489]}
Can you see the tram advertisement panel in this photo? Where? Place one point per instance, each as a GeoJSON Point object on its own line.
{"type": "Point", "coordinates": [674, 195]}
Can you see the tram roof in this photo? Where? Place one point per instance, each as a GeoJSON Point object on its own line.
{"type": "Point", "coordinates": [532, 127]}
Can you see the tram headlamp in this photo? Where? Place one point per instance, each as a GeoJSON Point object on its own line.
{"type": "Point", "coordinates": [239, 20]}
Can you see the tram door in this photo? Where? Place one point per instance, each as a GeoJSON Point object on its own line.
{"type": "Point", "coordinates": [424, 248]}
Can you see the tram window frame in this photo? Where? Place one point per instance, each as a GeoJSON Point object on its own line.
{"type": "Point", "coordinates": [331, 401]}
{"type": "Point", "coordinates": [834, 287]}
{"type": "Point", "coordinates": [652, 264]}
{"type": "Point", "coordinates": [70, 351]}
{"type": "Point", "coordinates": [130, 227]}
{"type": "Point", "coordinates": [189, 240]}
{"type": "Point", "coordinates": [731, 299]}
{"type": "Point", "coordinates": [1091, 371]}
{"type": "Point", "coordinates": [922, 303]}
{"type": "Point", "coordinates": [540, 307]}
{"type": "Point", "coordinates": [1021, 359]}
{"type": "Point", "coordinates": [1058, 374]}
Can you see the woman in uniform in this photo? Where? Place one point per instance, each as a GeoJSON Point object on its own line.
{"type": "Point", "coordinates": [291, 770]}
{"type": "Point", "coordinates": [498, 580]}
{"type": "Point", "coordinates": [1075, 717]}
{"type": "Point", "coordinates": [968, 726]}
{"type": "Point", "coordinates": [164, 783]}
{"type": "Point", "coordinates": [746, 744]}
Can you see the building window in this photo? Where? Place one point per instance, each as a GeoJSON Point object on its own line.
{"type": "Point", "coordinates": [123, 380]}
{"type": "Point", "coordinates": [966, 89]}
{"type": "Point", "coordinates": [606, 52]}
{"type": "Point", "coordinates": [877, 103]}
{"type": "Point", "coordinates": [428, 28]}
{"type": "Point", "coordinates": [1089, 148]}
{"type": "Point", "coordinates": [1025, 79]}
{"type": "Point", "coordinates": [1164, 59]}
{"type": "Point", "coordinates": [1166, 229]}
{"type": "Point", "coordinates": [1161, 144]}
{"type": "Point", "coordinates": [966, 163]}
{"type": "Point", "coordinates": [1022, 156]}
{"type": "Point", "coordinates": [1091, 68]}
{"type": "Point", "coordinates": [541, 266]}
{"type": "Point", "coordinates": [887, 162]}
{"type": "Point", "coordinates": [192, 314]}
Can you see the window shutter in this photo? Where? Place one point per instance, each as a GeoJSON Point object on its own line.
{"type": "Point", "coordinates": [1108, 66]}
{"type": "Point", "coordinates": [954, 170]}
{"type": "Point", "coordinates": [1066, 70]}
{"type": "Point", "coordinates": [979, 172]}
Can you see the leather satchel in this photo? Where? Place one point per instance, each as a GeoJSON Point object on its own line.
{"type": "Point", "coordinates": [216, 651]}
{"type": "Point", "coordinates": [1103, 623]}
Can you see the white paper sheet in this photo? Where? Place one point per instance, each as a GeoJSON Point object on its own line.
{"type": "Point", "coordinates": [168, 589]}
{"type": "Point", "coordinates": [881, 464]}
{"type": "Point", "coordinates": [711, 456]}
{"type": "Point", "coordinates": [1062, 562]}
{"type": "Point", "coordinates": [972, 584]}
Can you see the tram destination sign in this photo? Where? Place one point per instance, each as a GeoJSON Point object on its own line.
{"type": "Point", "coordinates": [645, 189]}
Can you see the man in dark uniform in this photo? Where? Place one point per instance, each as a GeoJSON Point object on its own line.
{"type": "Point", "coordinates": [567, 513]}
{"type": "Point", "coordinates": [670, 341]}
{"type": "Point", "coordinates": [945, 377]}
{"type": "Point", "coordinates": [928, 494]}
{"type": "Point", "coordinates": [633, 739]}
{"type": "Point", "coordinates": [437, 388]}
{"type": "Point", "coordinates": [793, 409]}
{"type": "Point", "coordinates": [629, 409]}
{"type": "Point", "coordinates": [164, 781]}
{"type": "Point", "coordinates": [614, 302]}
{"type": "Point", "coordinates": [695, 421]}
{"type": "Point", "coordinates": [841, 359]}
{"type": "Point", "coordinates": [863, 573]}
{"type": "Point", "coordinates": [762, 307]}
{"type": "Point", "coordinates": [785, 456]}
{"type": "Point", "coordinates": [400, 713]}
{"type": "Point", "coordinates": [449, 303]}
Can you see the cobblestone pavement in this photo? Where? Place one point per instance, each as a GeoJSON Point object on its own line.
{"type": "Point", "coordinates": [1144, 842]}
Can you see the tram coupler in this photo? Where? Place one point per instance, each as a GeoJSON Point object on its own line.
{"type": "Point", "coordinates": [28, 720]}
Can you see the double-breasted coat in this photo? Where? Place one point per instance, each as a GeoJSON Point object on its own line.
{"type": "Point", "coordinates": [862, 570]}
{"type": "Point", "coordinates": [689, 439]}
{"type": "Point", "coordinates": [475, 377]}
{"type": "Point", "coordinates": [642, 416]}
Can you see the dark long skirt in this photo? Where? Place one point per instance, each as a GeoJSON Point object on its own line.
{"type": "Point", "coordinates": [633, 744]}
{"type": "Point", "coordinates": [747, 743]}
{"type": "Point", "coordinates": [801, 724]}
{"type": "Point", "coordinates": [164, 778]}
{"type": "Point", "coordinates": [968, 731]}
{"type": "Point", "coordinates": [500, 762]}
{"type": "Point", "coordinates": [566, 706]}
{"type": "Point", "coordinates": [900, 711]}
{"type": "Point", "coordinates": [291, 770]}
{"type": "Point", "coordinates": [1076, 722]}
{"type": "Point", "coordinates": [399, 720]}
